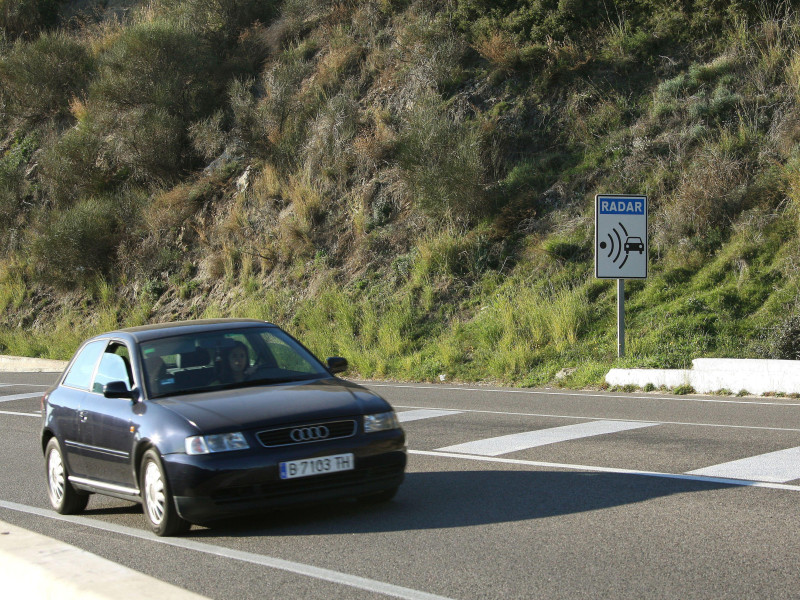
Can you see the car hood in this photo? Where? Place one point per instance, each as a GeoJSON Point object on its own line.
{"type": "Point", "coordinates": [278, 404]}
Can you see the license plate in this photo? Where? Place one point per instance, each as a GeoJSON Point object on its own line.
{"type": "Point", "coordinates": [317, 466]}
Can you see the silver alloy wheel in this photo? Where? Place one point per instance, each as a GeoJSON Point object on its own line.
{"type": "Point", "coordinates": [55, 477]}
{"type": "Point", "coordinates": [155, 497]}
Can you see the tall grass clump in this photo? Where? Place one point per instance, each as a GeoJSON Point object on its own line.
{"type": "Point", "coordinates": [374, 334]}
{"type": "Point", "coordinates": [270, 112]}
{"type": "Point", "coordinates": [328, 153]}
{"type": "Point", "coordinates": [13, 292]}
{"type": "Point", "coordinates": [440, 157]}
{"type": "Point", "coordinates": [522, 326]}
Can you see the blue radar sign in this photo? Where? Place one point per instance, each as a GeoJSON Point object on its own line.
{"type": "Point", "coordinates": [620, 237]}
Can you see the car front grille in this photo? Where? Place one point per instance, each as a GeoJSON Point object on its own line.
{"type": "Point", "coordinates": [309, 433]}
{"type": "Point", "coordinates": [286, 489]}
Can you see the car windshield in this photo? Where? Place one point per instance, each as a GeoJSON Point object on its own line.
{"type": "Point", "coordinates": [200, 362]}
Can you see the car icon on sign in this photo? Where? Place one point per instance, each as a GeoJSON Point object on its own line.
{"type": "Point", "coordinates": [634, 244]}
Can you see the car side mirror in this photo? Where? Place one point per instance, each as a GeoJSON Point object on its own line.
{"type": "Point", "coordinates": [337, 364]}
{"type": "Point", "coordinates": [118, 389]}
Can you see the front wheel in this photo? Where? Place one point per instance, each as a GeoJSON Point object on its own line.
{"type": "Point", "coordinates": [159, 507]}
{"type": "Point", "coordinates": [64, 498]}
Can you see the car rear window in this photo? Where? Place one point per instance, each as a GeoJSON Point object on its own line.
{"type": "Point", "coordinates": [82, 369]}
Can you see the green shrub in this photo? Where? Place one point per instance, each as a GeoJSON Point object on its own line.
{"type": "Point", "coordinates": [74, 246]}
{"type": "Point", "coordinates": [782, 341]}
{"type": "Point", "coordinates": [682, 390]}
{"type": "Point", "coordinates": [158, 65]}
{"type": "Point", "coordinates": [219, 20]}
{"type": "Point", "coordinates": [26, 18]}
{"type": "Point", "coordinates": [40, 78]}
{"type": "Point", "coordinates": [208, 135]}
{"type": "Point", "coordinates": [147, 145]}
{"type": "Point", "coordinates": [77, 163]}
{"type": "Point", "coordinates": [14, 186]}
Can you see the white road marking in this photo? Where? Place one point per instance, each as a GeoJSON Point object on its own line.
{"type": "Point", "coordinates": [369, 384]}
{"type": "Point", "coordinates": [777, 467]}
{"type": "Point", "coordinates": [424, 413]}
{"type": "Point", "coordinates": [593, 469]}
{"type": "Point", "coordinates": [585, 417]}
{"type": "Point", "coordinates": [362, 583]}
{"type": "Point", "coordinates": [20, 414]}
{"type": "Point", "coordinates": [542, 437]}
{"type": "Point", "coordinates": [24, 385]}
{"type": "Point", "coordinates": [21, 396]}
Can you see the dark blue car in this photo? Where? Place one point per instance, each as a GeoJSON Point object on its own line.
{"type": "Point", "coordinates": [207, 419]}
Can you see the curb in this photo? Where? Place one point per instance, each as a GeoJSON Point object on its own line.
{"type": "Point", "coordinates": [20, 364]}
{"type": "Point", "coordinates": [35, 566]}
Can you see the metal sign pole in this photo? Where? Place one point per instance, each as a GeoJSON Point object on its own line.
{"type": "Point", "coordinates": [620, 318]}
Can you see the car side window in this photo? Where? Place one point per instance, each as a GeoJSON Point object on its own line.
{"type": "Point", "coordinates": [80, 374]}
{"type": "Point", "coordinates": [113, 367]}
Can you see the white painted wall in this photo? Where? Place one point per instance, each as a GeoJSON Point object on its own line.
{"type": "Point", "coordinates": [756, 376]}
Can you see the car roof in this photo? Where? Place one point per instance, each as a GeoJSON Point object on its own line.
{"type": "Point", "coordinates": [176, 328]}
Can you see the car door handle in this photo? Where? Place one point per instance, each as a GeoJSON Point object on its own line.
{"type": "Point", "coordinates": [83, 415]}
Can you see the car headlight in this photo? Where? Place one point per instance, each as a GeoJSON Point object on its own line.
{"type": "Point", "coordinates": [223, 442]}
{"type": "Point", "coordinates": [380, 422]}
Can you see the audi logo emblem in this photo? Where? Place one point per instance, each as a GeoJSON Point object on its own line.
{"type": "Point", "coordinates": [309, 434]}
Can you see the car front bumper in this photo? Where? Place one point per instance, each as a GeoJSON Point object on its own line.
{"type": "Point", "coordinates": [210, 487]}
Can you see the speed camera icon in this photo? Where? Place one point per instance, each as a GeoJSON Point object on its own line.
{"type": "Point", "coordinates": [616, 247]}
{"type": "Point", "coordinates": [621, 237]}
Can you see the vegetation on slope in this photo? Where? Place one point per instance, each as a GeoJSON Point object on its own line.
{"type": "Point", "coordinates": [405, 183]}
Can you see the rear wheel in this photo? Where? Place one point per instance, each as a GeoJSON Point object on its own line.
{"type": "Point", "coordinates": [64, 498]}
{"type": "Point", "coordinates": [157, 500]}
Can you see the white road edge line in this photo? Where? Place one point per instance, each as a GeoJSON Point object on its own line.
{"type": "Point", "coordinates": [362, 583]}
{"type": "Point", "coordinates": [589, 418]}
{"type": "Point", "coordinates": [41, 385]}
{"type": "Point", "coordinates": [20, 414]}
{"type": "Point", "coordinates": [684, 477]}
{"type": "Point", "coordinates": [578, 394]}
{"type": "Point", "coordinates": [21, 396]}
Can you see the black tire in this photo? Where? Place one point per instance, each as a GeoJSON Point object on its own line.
{"type": "Point", "coordinates": [379, 497]}
{"type": "Point", "coordinates": [64, 498]}
{"type": "Point", "coordinates": [157, 502]}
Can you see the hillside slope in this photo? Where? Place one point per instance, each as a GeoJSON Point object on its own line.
{"type": "Point", "coordinates": [408, 184]}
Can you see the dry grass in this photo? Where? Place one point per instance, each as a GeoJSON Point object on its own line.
{"type": "Point", "coordinates": [499, 49]}
{"type": "Point", "coordinates": [171, 209]}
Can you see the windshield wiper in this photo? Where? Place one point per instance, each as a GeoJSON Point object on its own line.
{"type": "Point", "coordinates": [273, 380]}
{"type": "Point", "coordinates": [239, 384]}
{"type": "Point", "coordinates": [182, 393]}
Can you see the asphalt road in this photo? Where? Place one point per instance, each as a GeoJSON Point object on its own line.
{"type": "Point", "coordinates": [575, 495]}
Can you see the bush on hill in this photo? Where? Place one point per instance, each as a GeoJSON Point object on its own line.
{"type": "Point", "coordinates": [409, 183]}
